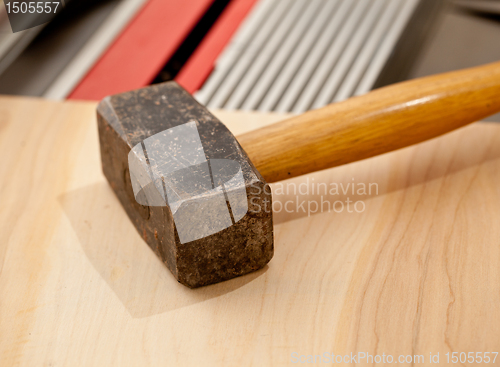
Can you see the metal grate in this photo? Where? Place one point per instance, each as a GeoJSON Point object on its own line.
{"type": "Point", "coordinates": [295, 55]}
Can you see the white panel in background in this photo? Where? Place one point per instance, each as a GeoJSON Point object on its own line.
{"type": "Point", "coordinates": [385, 49]}
{"type": "Point", "coordinates": [248, 56]}
{"type": "Point", "coordinates": [334, 53]}
{"type": "Point", "coordinates": [235, 48]}
{"type": "Point", "coordinates": [253, 74]}
{"type": "Point", "coordinates": [279, 55]}
{"type": "Point", "coordinates": [299, 55]}
{"type": "Point", "coordinates": [294, 55]}
{"type": "Point", "coordinates": [349, 55]}
{"type": "Point", "coordinates": [312, 61]}
{"type": "Point", "coordinates": [361, 63]}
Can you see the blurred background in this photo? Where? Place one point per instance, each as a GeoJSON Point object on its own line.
{"type": "Point", "coordinates": [255, 55]}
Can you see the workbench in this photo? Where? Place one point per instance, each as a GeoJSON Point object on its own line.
{"type": "Point", "coordinates": [416, 272]}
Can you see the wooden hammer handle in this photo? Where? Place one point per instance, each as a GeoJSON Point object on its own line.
{"type": "Point", "coordinates": [383, 120]}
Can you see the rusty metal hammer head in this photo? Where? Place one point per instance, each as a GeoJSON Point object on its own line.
{"type": "Point", "coordinates": [186, 184]}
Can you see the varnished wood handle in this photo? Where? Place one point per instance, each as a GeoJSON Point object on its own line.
{"type": "Point", "coordinates": [383, 120]}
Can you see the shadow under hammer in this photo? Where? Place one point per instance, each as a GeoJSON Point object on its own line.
{"type": "Point", "coordinates": [141, 282]}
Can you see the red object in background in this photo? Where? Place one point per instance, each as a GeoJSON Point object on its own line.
{"type": "Point", "coordinates": [202, 61]}
{"type": "Point", "coordinates": [144, 47]}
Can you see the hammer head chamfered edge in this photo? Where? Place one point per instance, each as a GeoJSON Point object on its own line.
{"type": "Point", "coordinates": [186, 184]}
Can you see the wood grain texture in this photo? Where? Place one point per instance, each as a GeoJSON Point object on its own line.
{"type": "Point", "coordinates": [381, 121]}
{"type": "Point", "coordinates": [415, 272]}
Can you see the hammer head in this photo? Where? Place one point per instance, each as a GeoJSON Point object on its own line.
{"type": "Point", "coordinates": [186, 184]}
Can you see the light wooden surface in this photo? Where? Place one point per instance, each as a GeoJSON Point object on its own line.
{"type": "Point", "coordinates": [378, 122]}
{"type": "Point", "coordinates": [416, 273]}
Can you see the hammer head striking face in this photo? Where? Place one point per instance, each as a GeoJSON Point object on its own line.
{"type": "Point", "coordinates": [186, 184]}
